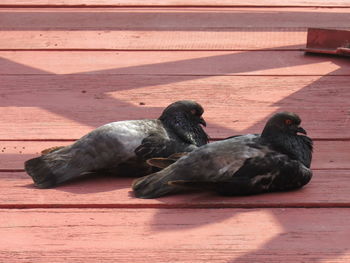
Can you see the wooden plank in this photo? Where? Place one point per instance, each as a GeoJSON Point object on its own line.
{"type": "Point", "coordinates": [172, 19]}
{"type": "Point", "coordinates": [69, 106]}
{"type": "Point", "coordinates": [327, 154]}
{"type": "Point", "coordinates": [117, 3]}
{"type": "Point", "coordinates": [152, 40]}
{"type": "Point", "coordinates": [167, 235]}
{"type": "Point", "coordinates": [328, 188]}
{"type": "Point", "coordinates": [171, 63]}
{"type": "Point", "coordinates": [147, 29]}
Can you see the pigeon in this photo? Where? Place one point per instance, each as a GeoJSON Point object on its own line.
{"type": "Point", "coordinates": [122, 147]}
{"type": "Point", "coordinates": [278, 159]}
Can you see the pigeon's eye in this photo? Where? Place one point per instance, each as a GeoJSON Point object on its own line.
{"type": "Point", "coordinates": [193, 112]}
{"type": "Point", "coordinates": [288, 122]}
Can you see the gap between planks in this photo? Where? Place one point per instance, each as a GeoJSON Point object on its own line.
{"type": "Point", "coordinates": [174, 206]}
{"type": "Point", "coordinates": [177, 4]}
{"type": "Point", "coordinates": [212, 139]}
{"type": "Point", "coordinates": [315, 169]}
{"type": "Point", "coordinates": [184, 5]}
{"type": "Point", "coordinates": [83, 6]}
{"type": "Point", "coordinates": [150, 50]}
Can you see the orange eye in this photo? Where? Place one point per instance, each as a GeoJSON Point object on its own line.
{"type": "Point", "coordinates": [288, 122]}
{"type": "Point", "coordinates": [193, 112]}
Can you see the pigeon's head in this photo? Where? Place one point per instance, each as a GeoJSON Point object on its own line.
{"type": "Point", "coordinates": [187, 109]}
{"type": "Point", "coordinates": [184, 118]}
{"type": "Point", "coordinates": [285, 123]}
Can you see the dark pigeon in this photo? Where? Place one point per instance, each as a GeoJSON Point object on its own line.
{"type": "Point", "coordinates": [121, 148]}
{"type": "Point", "coordinates": [277, 160]}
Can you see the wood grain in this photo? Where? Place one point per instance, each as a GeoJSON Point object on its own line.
{"type": "Point", "coordinates": [164, 28]}
{"type": "Point", "coordinates": [327, 154]}
{"type": "Point", "coordinates": [117, 3]}
{"type": "Point", "coordinates": [171, 19]}
{"type": "Point", "coordinates": [69, 106]}
{"type": "Point", "coordinates": [153, 40]}
{"type": "Point", "coordinates": [328, 188]}
{"type": "Point", "coordinates": [124, 71]}
{"type": "Point", "coordinates": [291, 63]}
{"type": "Point", "coordinates": [171, 235]}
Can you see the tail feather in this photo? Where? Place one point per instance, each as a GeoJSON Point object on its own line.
{"type": "Point", "coordinates": [53, 168]}
{"type": "Point", "coordinates": [40, 172]}
{"type": "Point", "coordinates": [153, 186]}
{"type": "Point", "coordinates": [91, 153]}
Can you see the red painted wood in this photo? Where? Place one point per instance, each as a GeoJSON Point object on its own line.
{"type": "Point", "coordinates": [327, 154]}
{"type": "Point", "coordinates": [117, 3]}
{"type": "Point", "coordinates": [69, 106]}
{"type": "Point", "coordinates": [63, 95]}
{"type": "Point", "coordinates": [171, 19]}
{"type": "Point", "coordinates": [13, 154]}
{"type": "Point", "coordinates": [171, 63]}
{"type": "Point", "coordinates": [146, 29]}
{"type": "Point", "coordinates": [172, 235]}
{"type": "Point", "coordinates": [153, 40]}
{"type": "Point", "coordinates": [328, 188]}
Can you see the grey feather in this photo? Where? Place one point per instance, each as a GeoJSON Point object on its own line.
{"type": "Point", "coordinates": [115, 148]}
{"type": "Point", "coordinates": [277, 160]}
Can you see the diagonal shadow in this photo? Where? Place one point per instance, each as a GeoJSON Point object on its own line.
{"type": "Point", "coordinates": [82, 90]}
{"type": "Point", "coordinates": [301, 244]}
{"type": "Point", "coordinates": [332, 108]}
{"type": "Point", "coordinates": [70, 82]}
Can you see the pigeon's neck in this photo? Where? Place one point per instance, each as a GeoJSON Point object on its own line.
{"type": "Point", "coordinates": [297, 147]}
{"type": "Point", "coordinates": [184, 129]}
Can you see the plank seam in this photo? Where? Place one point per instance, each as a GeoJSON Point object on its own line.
{"type": "Point", "coordinates": [163, 50]}
{"type": "Point", "coordinates": [179, 75]}
{"type": "Point", "coordinates": [38, 140]}
{"type": "Point", "coordinates": [173, 206]}
{"type": "Point", "coordinates": [13, 170]}
{"type": "Point", "coordinates": [116, 6]}
{"type": "Point", "coordinates": [74, 139]}
{"type": "Point", "coordinates": [134, 50]}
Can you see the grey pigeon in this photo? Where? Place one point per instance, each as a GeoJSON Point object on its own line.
{"type": "Point", "coordinates": [122, 147]}
{"type": "Point", "coordinates": [279, 159]}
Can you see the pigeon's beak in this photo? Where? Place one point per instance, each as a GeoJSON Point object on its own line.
{"type": "Point", "coordinates": [202, 121]}
{"type": "Point", "coordinates": [301, 130]}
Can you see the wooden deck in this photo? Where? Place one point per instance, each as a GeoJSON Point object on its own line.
{"type": "Point", "coordinates": [70, 66]}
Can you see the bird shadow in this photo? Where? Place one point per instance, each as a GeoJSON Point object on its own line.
{"type": "Point", "coordinates": [89, 184]}
{"type": "Point", "coordinates": [72, 89]}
